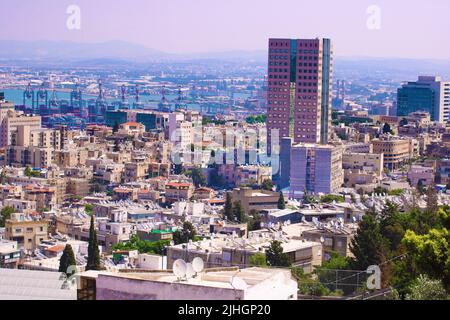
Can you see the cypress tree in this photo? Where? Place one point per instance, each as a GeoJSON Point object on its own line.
{"type": "Point", "coordinates": [281, 202]}
{"type": "Point", "coordinates": [67, 260]}
{"type": "Point", "coordinates": [239, 212]}
{"type": "Point", "coordinates": [93, 262]}
{"type": "Point", "coordinates": [228, 212]}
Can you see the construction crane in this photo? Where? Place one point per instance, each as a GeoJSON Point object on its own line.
{"type": "Point", "coordinates": [28, 94]}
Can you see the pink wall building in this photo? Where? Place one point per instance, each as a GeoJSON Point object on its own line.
{"type": "Point", "coordinates": [300, 89]}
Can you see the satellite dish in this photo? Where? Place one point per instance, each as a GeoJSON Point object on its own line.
{"type": "Point", "coordinates": [179, 268]}
{"type": "Point", "coordinates": [189, 271]}
{"type": "Point", "coordinates": [239, 284]}
{"type": "Point", "coordinates": [322, 240]}
{"type": "Point", "coordinates": [198, 264]}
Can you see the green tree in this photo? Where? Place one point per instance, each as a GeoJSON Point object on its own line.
{"type": "Point", "coordinates": [228, 211]}
{"type": "Point", "coordinates": [387, 128]}
{"type": "Point", "coordinates": [329, 198]}
{"type": "Point", "coordinates": [215, 179]}
{"type": "Point", "coordinates": [276, 257]}
{"type": "Point", "coordinates": [255, 220]}
{"type": "Point", "coordinates": [67, 259]}
{"type": "Point", "coordinates": [256, 119]}
{"type": "Point", "coordinates": [335, 276]}
{"type": "Point", "coordinates": [198, 177]}
{"type": "Point", "coordinates": [368, 246]}
{"type": "Point", "coordinates": [143, 246]}
{"type": "Point", "coordinates": [424, 288]}
{"type": "Point", "coordinates": [393, 224]}
{"type": "Point", "coordinates": [93, 261]}
{"type": "Point", "coordinates": [116, 127]}
{"type": "Point", "coordinates": [258, 260]}
{"type": "Point", "coordinates": [89, 208]}
{"type": "Point", "coordinates": [27, 171]}
{"type": "Point", "coordinates": [430, 254]}
{"type": "Point", "coordinates": [185, 234]}
{"type": "Point", "coordinates": [432, 201]}
{"type": "Point", "coordinates": [420, 187]}
{"type": "Point", "coordinates": [267, 185]}
{"type": "Point", "coordinates": [5, 214]}
{"type": "Point", "coordinates": [281, 202]}
{"type": "Point", "coordinates": [178, 168]}
{"type": "Point", "coordinates": [239, 213]}
{"type": "Point", "coordinates": [3, 177]}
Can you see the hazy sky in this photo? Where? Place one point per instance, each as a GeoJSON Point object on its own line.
{"type": "Point", "coordinates": [409, 28]}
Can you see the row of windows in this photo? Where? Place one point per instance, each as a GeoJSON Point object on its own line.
{"type": "Point", "coordinates": [277, 77]}
{"type": "Point", "coordinates": [307, 58]}
{"type": "Point", "coordinates": [278, 63]}
{"type": "Point", "coordinates": [303, 112]}
{"type": "Point", "coordinates": [307, 64]}
{"type": "Point", "coordinates": [307, 70]}
{"type": "Point", "coordinates": [300, 44]}
{"type": "Point", "coordinates": [309, 78]}
{"type": "Point", "coordinates": [278, 51]}
{"type": "Point", "coordinates": [305, 130]}
{"type": "Point", "coordinates": [307, 84]}
{"type": "Point", "coordinates": [277, 102]}
{"type": "Point", "coordinates": [278, 70]}
{"type": "Point", "coordinates": [278, 83]}
{"type": "Point", "coordinates": [278, 57]}
{"type": "Point", "coordinates": [278, 89]}
{"type": "Point", "coordinates": [278, 115]}
{"type": "Point", "coordinates": [301, 101]}
{"type": "Point", "coordinates": [278, 109]}
{"type": "Point", "coordinates": [277, 122]}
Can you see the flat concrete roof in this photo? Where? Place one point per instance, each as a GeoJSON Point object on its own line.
{"type": "Point", "coordinates": [217, 279]}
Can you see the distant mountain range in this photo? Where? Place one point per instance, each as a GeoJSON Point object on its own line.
{"type": "Point", "coordinates": [122, 53]}
{"type": "Point", "coordinates": [66, 50]}
{"type": "Point", "coordinates": [112, 50]}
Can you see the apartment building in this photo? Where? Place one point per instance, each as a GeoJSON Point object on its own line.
{"type": "Point", "coordinates": [226, 251]}
{"type": "Point", "coordinates": [12, 121]}
{"type": "Point", "coordinates": [396, 151]}
{"type": "Point", "coordinates": [28, 232]}
{"type": "Point", "coordinates": [315, 169]}
{"type": "Point", "coordinates": [176, 191]}
{"type": "Point", "coordinates": [362, 168]}
{"type": "Point", "coordinates": [255, 199]}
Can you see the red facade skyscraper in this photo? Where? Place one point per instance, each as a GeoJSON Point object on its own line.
{"type": "Point", "coordinates": [300, 89]}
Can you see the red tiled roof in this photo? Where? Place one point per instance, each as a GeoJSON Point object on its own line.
{"type": "Point", "coordinates": [57, 248]}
